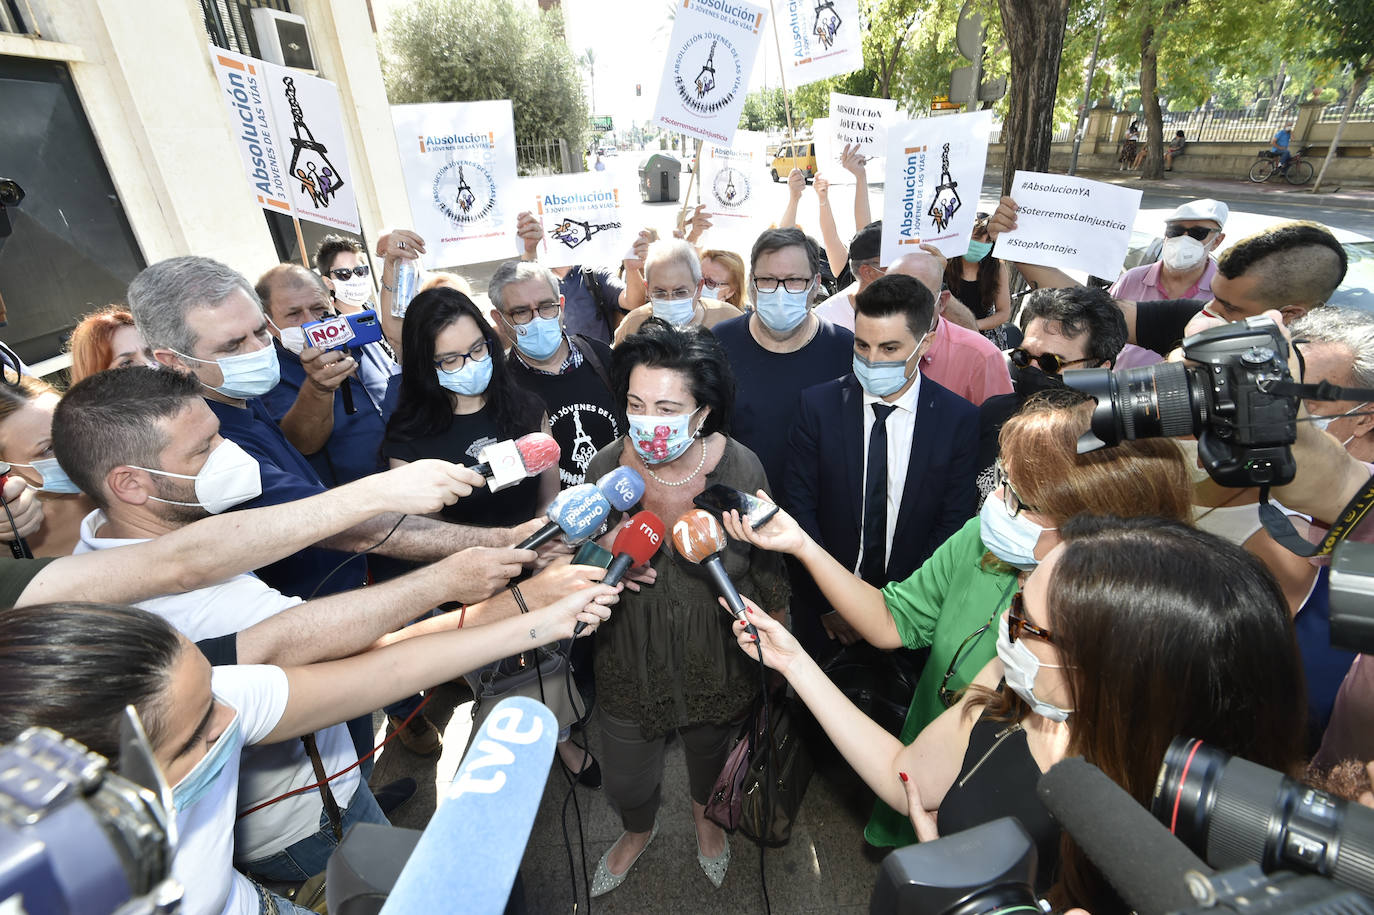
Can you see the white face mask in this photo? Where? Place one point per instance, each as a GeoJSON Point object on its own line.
{"type": "Point", "coordinates": [292, 339]}
{"type": "Point", "coordinates": [354, 291]}
{"type": "Point", "coordinates": [1324, 422]}
{"type": "Point", "coordinates": [229, 477]}
{"type": "Point", "coordinates": [1183, 253]}
{"type": "Point", "coordinates": [1011, 540]}
{"type": "Point", "coordinates": [1020, 666]}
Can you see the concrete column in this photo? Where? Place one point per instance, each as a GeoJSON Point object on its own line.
{"type": "Point", "coordinates": [1308, 113]}
{"type": "Point", "coordinates": [154, 106]}
{"type": "Point", "coordinates": [1097, 133]}
{"type": "Point", "coordinates": [346, 54]}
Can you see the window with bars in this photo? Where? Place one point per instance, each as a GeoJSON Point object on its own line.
{"type": "Point", "coordinates": [229, 25]}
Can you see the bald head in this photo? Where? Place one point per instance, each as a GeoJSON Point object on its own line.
{"type": "Point", "coordinates": [927, 268]}
{"type": "Point", "coordinates": [292, 295]}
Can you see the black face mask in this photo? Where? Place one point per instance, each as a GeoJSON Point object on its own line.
{"type": "Point", "coordinates": [1030, 380]}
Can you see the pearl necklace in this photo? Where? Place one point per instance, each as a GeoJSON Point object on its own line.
{"type": "Point", "coordinates": [690, 477]}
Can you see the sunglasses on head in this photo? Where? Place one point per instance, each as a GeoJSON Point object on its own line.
{"type": "Point", "coordinates": [342, 274]}
{"type": "Point", "coordinates": [1197, 233]}
{"type": "Point", "coordinates": [1048, 363]}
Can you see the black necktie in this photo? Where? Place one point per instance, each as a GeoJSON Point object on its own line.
{"type": "Point", "coordinates": [873, 569]}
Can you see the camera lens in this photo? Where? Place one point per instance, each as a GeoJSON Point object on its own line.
{"type": "Point", "coordinates": [1154, 401]}
{"type": "Point", "coordinates": [1234, 812]}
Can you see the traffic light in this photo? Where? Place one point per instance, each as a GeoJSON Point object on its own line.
{"type": "Point", "coordinates": [638, 87]}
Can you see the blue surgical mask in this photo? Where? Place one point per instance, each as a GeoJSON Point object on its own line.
{"type": "Point", "coordinates": [247, 374]}
{"type": "Point", "coordinates": [977, 250]}
{"type": "Point", "coordinates": [660, 439]}
{"type": "Point", "coordinates": [55, 479]}
{"type": "Point", "coordinates": [539, 339]}
{"type": "Point", "coordinates": [881, 378]}
{"type": "Point", "coordinates": [1019, 668]}
{"type": "Point", "coordinates": [1011, 540]}
{"type": "Point", "coordinates": [675, 311]}
{"type": "Point", "coordinates": [472, 379]}
{"type": "Point", "coordinates": [204, 773]}
{"type": "Point", "coordinates": [781, 311]}
{"type": "Point", "coordinates": [1321, 422]}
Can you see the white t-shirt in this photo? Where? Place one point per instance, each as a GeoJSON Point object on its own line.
{"type": "Point", "coordinates": [839, 308]}
{"type": "Point", "coordinates": [267, 772]}
{"type": "Point", "coordinates": [205, 853]}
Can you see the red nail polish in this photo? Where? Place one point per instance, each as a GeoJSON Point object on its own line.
{"type": "Point", "coordinates": [903, 775]}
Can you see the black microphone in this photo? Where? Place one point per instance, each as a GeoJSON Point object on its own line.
{"type": "Point", "coordinates": [1146, 865]}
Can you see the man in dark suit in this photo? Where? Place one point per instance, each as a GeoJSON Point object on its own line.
{"type": "Point", "coordinates": [882, 461]}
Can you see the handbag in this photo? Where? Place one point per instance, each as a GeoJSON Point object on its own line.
{"type": "Point", "coordinates": [544, 675]}
{"type": "Point", "coordinates": [761, 787]}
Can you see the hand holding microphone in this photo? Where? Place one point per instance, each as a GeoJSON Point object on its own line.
{"type": "Point", "coordinates": [507, 463]}
{"type": "Point", "coordinates": [698, 537]}
{"type": "Point", "coordinates": [576, 513]}
{"type": "Point", "coordinates": [635, 544]}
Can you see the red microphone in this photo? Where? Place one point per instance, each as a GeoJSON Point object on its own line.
{"type": "Point", "coordinates": [699, 538]}
{"type": "Point", "coordinates": [509, 462]}
{"type": "Point", "coordinates": [635, 544]}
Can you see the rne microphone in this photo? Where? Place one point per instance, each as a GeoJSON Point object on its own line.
{"type": "Point", "coordinates": [576, 513]}
{"type": "Point", "coordinates": [623, 488]}
{"type": "Point", "coordinates": [1146, 865]}
{"type": "Point", "coordinates": [635, 544]}
{"type": "Point", "coordinates": [507, 463]}
{"type": "Point", "coordinates": [699, 538]}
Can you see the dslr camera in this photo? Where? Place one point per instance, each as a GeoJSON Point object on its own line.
{"type": "Point", "coordinates": [1223, 397]}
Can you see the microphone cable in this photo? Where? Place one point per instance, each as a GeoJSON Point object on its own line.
{"type": "Point", "coordinates": [768, 761]}
{"type": "Point", "coordinates": [354, 556]}
{"type": "Point", "coordinates": [18, 546]}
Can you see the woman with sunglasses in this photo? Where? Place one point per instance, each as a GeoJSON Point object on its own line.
{"type": "Point", "coordinates": [983, 283]}
{"type": "Point", "coordinates": [674, 280]}
{"type": "Point", "coordinates": [950, 604]}
{"type": "Point", "coordinates": [457, 397]}
{"type": "Point", "coordinates": [343, 264]}
{"type": "Point", "coordinates": [722, 277]}
{"type": "Point", "coordinates": [1127, 634]}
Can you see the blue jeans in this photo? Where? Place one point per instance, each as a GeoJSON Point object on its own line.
{"type": "Point", "coordinates": [308, 857]}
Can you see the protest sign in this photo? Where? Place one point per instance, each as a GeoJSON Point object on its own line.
{"type": "Point", "coordinates": [934, 179]}
{"type": "Point", "coordinates": [862, 121]}
{"type": "Point", "coordinates": [583, 217]}
{"type": "Point", "coordinates": [820, 38]}
{"type": "Point", "coordinates": [1070, 224]}
{"type": "Point", "coordinates": [311, 132]}
{"type": "Point", "coordinates": [295, 161]}
{"type": "Point", "coordinates": [710, 56]}
{"type": "Point", "coordinates": [458, 159]}
{"type": "Point", "coordinates": [729, 176]}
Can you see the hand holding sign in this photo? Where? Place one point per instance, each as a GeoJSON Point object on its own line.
{"type": "Point", "coordinates": [1065, 222]}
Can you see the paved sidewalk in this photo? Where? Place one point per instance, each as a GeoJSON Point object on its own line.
{"type": "Point", "coordinates": [1232, 190]}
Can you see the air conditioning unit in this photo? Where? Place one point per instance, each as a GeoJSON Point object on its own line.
{"type": "Point", "coordinates": [283, 39]}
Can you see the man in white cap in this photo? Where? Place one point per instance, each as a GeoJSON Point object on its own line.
{"type": "Point", "coordinates": [1186, 266]}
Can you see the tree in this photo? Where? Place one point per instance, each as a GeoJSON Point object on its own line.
{"type": "Point", "coordinates": [588, 60]}
{"type": "Point", "coordinates": [471, 50]}
{"type": "Point", "coordinates": [1034, 32]}
{"type": "Point", "coordinates": [1346, 32]}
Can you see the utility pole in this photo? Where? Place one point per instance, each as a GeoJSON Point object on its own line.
{"type": "Point", "coordinates": [1087, 94]}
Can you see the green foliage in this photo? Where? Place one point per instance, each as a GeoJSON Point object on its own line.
{"type": "Point", "coordinates": [763, 110]}
{"type": "Point", "coordinates": [1344, 32]}
{"type": "Point", "coordinates": [472, 50]}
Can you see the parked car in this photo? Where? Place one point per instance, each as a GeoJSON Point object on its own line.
{"type": "Point", "coordinates": [801, 154]}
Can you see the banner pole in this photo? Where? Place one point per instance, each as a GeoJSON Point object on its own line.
{"type": "Point", "coordinates": [300, 240]}
{"type": "Point", "coordinates": [782, 72]}
{"type": "Point", "coordinates": [687, 197]}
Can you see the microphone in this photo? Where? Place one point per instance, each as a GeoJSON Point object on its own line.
{"type": "Point", "coordinates": [699, 538]}
{"type": "Point", "coordinates": [576, 512]}
{"type": "Point", "coordinates": [635, 544]}
{"type": "Point", "coordinates": [623, 488]}
{"type": "Point", "coordinates": [485, 815]}
{"type": "Point", "coordinates": [1134, 851]}
{"type": "Point", "coordinates": [509, 462]}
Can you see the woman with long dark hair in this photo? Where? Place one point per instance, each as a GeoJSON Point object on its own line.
{"type": "Point", "coordinates": [457, 397]}
{"type": "Point", "coordinates": [1128, 634]}
{"type": "Point", "coordinates": [983, 283]}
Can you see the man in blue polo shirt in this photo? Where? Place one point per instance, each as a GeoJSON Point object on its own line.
{"type": "Point", "coordinates": [308, 403]}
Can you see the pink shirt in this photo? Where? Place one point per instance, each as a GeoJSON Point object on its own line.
{"type": "Point", "coordinates": [1141, 284]}
{"type": "Point", "coordinates": [966, 362]}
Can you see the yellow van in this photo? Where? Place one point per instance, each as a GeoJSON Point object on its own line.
{"type": "Point", "coordinates": [801, 154]}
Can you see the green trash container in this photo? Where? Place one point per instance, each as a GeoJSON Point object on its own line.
{"type": "Point", "coordinates": [659, 178]}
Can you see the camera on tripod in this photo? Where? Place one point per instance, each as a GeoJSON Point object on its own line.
{"type": "Point", "coordinates": [1243, 427]}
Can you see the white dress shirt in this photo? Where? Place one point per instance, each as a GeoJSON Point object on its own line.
{"type": "Point", "coordinates": [901, 427]}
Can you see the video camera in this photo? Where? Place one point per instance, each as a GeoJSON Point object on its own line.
{"type": "Point", "coordinates": [78, 837]}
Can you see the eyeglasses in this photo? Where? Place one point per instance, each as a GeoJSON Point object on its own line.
{"type": "Point", "coordinates": [1048, 363]}
{"type": "Point", "coordinates": [342, 274]}
{"type": "Point", "coordinates": [790, 283]}
{"type": "Point", "coordinates": [1017, 623]}
{"type": "Point", "coordinates": [479, 353]}
{"type": "Point", "coordinates": [524, 314]}
{"type": "Point", "coordinates": [9, 362]}
{"type": "Point", "coordinates": [1010, 498]}
{"type": "Point", "coordinates": [1197, 233]}
{"type": "Point", "coordinates": [960, 655]}
{"type": "Point", "coordinates": [665, 295]}
{"type": "Point", "coordinates": [713, 285]}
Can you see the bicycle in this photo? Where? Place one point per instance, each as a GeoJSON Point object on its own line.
{"type": "Point", "coordinates": [1297, 171]}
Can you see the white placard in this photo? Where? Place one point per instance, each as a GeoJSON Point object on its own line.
{"type": "Point", "coordinates": [583, 217]}
{"type": "Point", "coordinates": [855, 119]}
{"type": "Point", "coordinates": [820, 38]}
{"type": "Point", "coordinates": [934, 179]}
{"type": "Point", "coordinates": [730, 176]}
{"type": "Point", "coordinates": [311, 137]}
{"type": "Point", "coordinates": [1070, 224]}
{"type": "Point", "coordinates": [706, 75]}
{"type": "Point", "coordinates": [458, 159]}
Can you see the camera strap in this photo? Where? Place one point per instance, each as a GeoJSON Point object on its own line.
{"type": "Point", "coordinates": [1281, 528]}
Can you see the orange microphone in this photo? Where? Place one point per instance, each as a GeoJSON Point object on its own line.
{"type": "Point", "coordinates": [698, 537]}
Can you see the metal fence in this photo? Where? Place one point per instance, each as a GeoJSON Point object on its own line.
{"type": "Point", "coordinates": [543, 157]}
{"type": "Point", "coordinates": [1216, 125]}
{"type": "Point", "coordinates": [1332, 113]}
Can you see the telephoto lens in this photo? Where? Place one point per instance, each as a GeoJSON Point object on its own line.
{"type": "Point", "coordinates": [980, 871]}
{"type": "Point", "coordinates": [1233, 812]}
